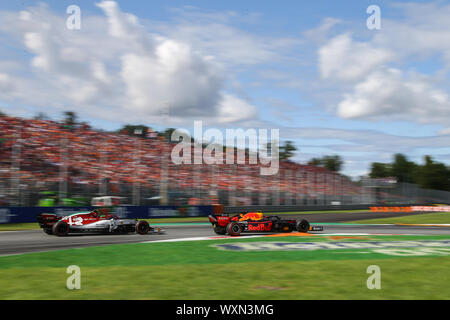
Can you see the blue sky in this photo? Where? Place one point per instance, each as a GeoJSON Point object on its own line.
{"type": "Point", "coordinates": [311, 69]}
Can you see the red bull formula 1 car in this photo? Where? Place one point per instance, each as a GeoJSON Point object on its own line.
{"type": "Point", "coordinates": [257, 222]}
{"type": "Point", "coordinates": [96, 221]}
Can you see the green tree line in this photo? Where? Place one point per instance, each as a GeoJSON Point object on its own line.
{"type": "Point", "coordinates": [429, 175]}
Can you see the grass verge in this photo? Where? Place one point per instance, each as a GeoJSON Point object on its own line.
{"type": "Point", "coordinates": [197, 270]}
{"type": "Point", "coordinates": [427, 218]}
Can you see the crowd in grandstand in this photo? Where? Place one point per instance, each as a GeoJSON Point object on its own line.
{"type": "Point", "coordinates": [44, 152]}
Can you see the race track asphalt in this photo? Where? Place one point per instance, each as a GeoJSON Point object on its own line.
{"type": "Point", "coordinates": [17, 242]}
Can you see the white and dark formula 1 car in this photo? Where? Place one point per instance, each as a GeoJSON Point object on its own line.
{"type": "Point", "coordinates": [96, 221]}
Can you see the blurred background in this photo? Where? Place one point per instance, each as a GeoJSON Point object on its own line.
{"type": "Point", "coordinates": [90, 94]}
{"type": "Point", "coordinates": [66, 163]}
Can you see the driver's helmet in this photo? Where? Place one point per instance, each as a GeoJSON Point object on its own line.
{"type": "Point", "coordinates": [251, 216]}
{"type": "Point", "coordinates": [100, 212]}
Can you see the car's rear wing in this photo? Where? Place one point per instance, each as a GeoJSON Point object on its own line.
{"type": "Point", "coordinates": [221, 220]}
{"type": "Point", "coordinates": [47, 219]}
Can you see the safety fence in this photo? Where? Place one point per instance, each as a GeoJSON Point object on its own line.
{"type": "Point", "coordinates": [28, 214]}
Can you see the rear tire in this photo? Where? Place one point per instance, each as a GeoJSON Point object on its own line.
{"type": "Point", "coordinates": [60, 229]}
{"type": "Point", "coordinates": [142, 227]}
{"type": "Point", "coordinates": [303, 226]}
{"type": "Point", "coordinates": [48, 231]}
{"type": "Point", "coordinates": [220, 230]}
{"type": "Point", "coordinates": [234, 229]}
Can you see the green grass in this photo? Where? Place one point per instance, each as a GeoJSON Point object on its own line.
{"type": "Point", "coordinates": [426, 218]}
{"type": "Point", "coordinates": [196, 270]}
{"type": "Point", "coordinates": [18, 226]}
{"type": "Point", "coordinates": [414, 278]}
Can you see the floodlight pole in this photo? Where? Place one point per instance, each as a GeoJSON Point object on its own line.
{"type": "Point", "coordinates": [164, 175]}
{"type": "Point", "coordinates": [137, 184]}
{"type": "Point", "coordinates": [102, 184]}
{"type": "Point", "coordinates": [63, 168]}
{"type": "Point", "coordinates": [15, 164]}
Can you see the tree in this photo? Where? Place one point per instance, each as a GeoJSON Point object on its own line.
{"type": "Point", "coordinates": [317, 162]}
{"type": "Point", "coordinates": [41, 116]}
{"type": "Point", "coordinates": [380, 170]}
{"type": "Point", "coordinates": [430, 175]}
{"type": "Point", "coordinates": [331, 163]}
{"type": "Point", "coordinates": [433, 175]}
{"type": "Point", "coordinates": [167, 133]}
{"type": "Point", "coordinates": [403, 169]}
{"type": "Point", "coordinates": [134, 130]}
{"type": "Point", "coordinates": [287, 150]}
{"type": "Point", "coordinates": [70, 118]}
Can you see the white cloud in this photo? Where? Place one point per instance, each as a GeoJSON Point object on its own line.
{"type": "Point", "coordinates": [214, 34]}
{"type": "Point", "coordinates": [377, 78]}
{"type": "Point", "coordinates": [344, 59]}
{"type": "Point", "coordinates": [233, 108]}
{"type": "Point", "coordinates": [422, 33]}
{"type": "Point", "coordinates": [114, 68]}
{"type": "Point", "coordinates": [445, 131]}
{"type": "Point", "coordinates": [388, 92]}
{"type": "Point", "coordinates": [176, 78]}
{"type": "Point", "coordinates": [5, 82]}
{"type": "Point", "coordinates": [362, 147]}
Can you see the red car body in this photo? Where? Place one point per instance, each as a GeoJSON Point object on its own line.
{"type": "Point", "coordinates": [256, 222]}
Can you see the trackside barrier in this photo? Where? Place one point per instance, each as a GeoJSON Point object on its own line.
{"type": "Point", "coordinates": [431, 208]}
{"type": "Point", "coordinates": [28, 214]}
{"type": "Point", "coordinates": [300, 208]}
{"type": "Point", "coordinates": [294, 208]}
{"type": "Point", "coordinates": [391, 209]}
{"type": "Point", "coordinates": [411, 209]}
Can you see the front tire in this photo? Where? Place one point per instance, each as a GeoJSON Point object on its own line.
{"type": "Point", "coordinates": [303, 226]}
{"type": "Point", "coordinates": [61, 229]}
{"type": "Point", "coordinates": [142, 227]}
{"type": "Point", "coordinates": [234, 229]}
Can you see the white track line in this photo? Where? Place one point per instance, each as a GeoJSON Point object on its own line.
{"type": "Point", "coordinates": [260, 236]}
{"type": "Point", "coordinates": [203, 238]}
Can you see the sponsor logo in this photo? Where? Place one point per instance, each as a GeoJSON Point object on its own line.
{"type": "Point", "coordinates": [78, 221]}
{"type": "Point", "coordinates": [260, 226]}
{"type": "Point", "coordinates": [121, 212]}
{"type": "Point", "coordinates": [5, 215]}
{"type": "Point", "coordinates": [157, 212]}
{"type": "Point", "coordinates": [311, 246]}
{"type": "Point", "coordinates": [193, 212]}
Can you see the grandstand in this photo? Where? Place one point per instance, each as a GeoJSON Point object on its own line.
{"type": "Point", "coordinates": [40, 155]}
